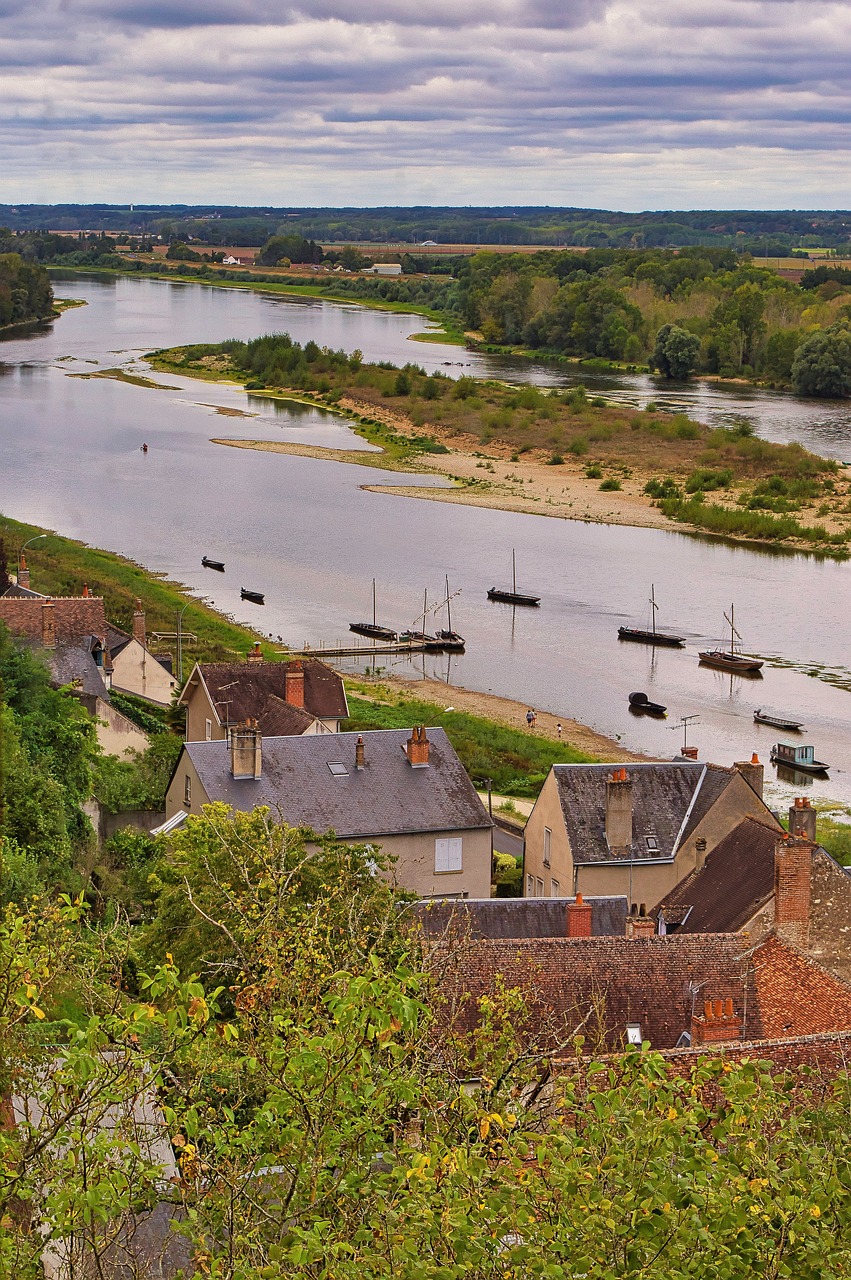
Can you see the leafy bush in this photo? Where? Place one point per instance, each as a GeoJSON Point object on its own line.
{"type": "Point", "coordinates": [667, 488]}
{"type": "Point", "coordinates": [594, 472]}
{"type": "Point", "coordinates": [610, 484]}
{"type": "Point", "coordinates": [555, 460]}
{"type": "Point", "coordinates": [704, 480]}
{"type": "Point", "coordinates": [578, 446]}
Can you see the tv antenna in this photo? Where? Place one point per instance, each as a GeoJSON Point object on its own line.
{"type": "Point", "coordinates": [684, 723]}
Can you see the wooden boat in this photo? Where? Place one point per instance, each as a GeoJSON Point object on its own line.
{"type": "Point", "coordinates": [414, 635]}
{"type": "Point", "coordinates": [256, 597]}
{"type": "Point", "coordinates": [513, 596]}
{"type": "Point", "coordinates": [641, 704]}
{"type": "Point", "coordinates": [372, 629]}
{"type": "Point", "coordinates": [449, 641]}
{"type": "Point", "coordinates": [777, 722]}
{"type": "Point", "coordinates": [731, 659]}
{"type": "Point", "coordinates": [797, 757]}
{"type": "Point", "coordinates": [213, 564]}
{"type": "Point", "coordinates": [652, 636]}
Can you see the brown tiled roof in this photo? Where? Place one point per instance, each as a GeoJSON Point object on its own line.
{"type": "Point", "coordinates": [73, 617]}
{"type": "Point", "coordinates": [601, 984]}
{"type": "Point", "coordinates": [668, 799]}
{"type": "Point", "coordinates": [735, 881]}
{"type": "Point", "coordinates": [255, 688]}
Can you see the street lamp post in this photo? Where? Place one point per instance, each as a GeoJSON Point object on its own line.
{"type": "Point", "coordinates": [28, 543]}
{"type": "Point", "coordinates": [180, 643]}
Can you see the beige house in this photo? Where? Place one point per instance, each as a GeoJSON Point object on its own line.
{"type": "Point", "coordinates": [284, 698]}
{"type": "Point", "coordinates": [402, 790]}
{"type": "Point", "coordinates": [636, 829]}
{"type": "Point", "coordinates": [134, 668]}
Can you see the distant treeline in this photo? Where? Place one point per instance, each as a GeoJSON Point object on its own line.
{"type": "Point", "coordinates": [757, 231]}
{"type": "Point", "coordinates": [25, 292]}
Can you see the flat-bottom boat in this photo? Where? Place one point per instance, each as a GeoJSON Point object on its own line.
{"type": "Point", "coordinates": [256, 597]}
{"type": "Point", "coordinates": [450, 641]}
{"type": "Point", "coordinates": [512, 597]}
{"type": "Point", "coordinates": [417, 637]}
{"type": "Point", "coordinates": [213, 564]}
{"type": "Point", "coordinates": [777, 722]}
{"type": "Point", "coordinates": [641, 705]}
{"type": "Point", "coordinates": [726, 661]}
{"type": "Point", "coordinates": [650, 637]}
{"type": "Point", "coordinates": [373, 630]}
{"type": "Point", "coordinates": [795, 757]}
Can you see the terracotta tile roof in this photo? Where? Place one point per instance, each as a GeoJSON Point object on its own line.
{"type": "Point", "coordinates": [668, 799]}
{"type": "Point", "coordinates": [255, 688]}
{"type": "Point", "coordinates": [73, 617]}
{"type": "Point", "coordinates": [735, 881]}
{"type": "Point", "coordinates": [796, 996]}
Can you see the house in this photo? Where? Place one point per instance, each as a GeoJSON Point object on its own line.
{"type": "Point", "coordinates": [384, 269]}
{"type": "Point", "coordinates": [634, 829]}
{"type": "Point", "coordinates": [403, 790]}
{"type": "Point", "coordinates": [135, 669]}
{"type": "Point", "coordinates": [294, 697]}
{"type": "Point", "coordinates": [757, 879]}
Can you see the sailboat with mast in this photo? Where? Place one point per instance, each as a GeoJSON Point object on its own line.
{"type": "Point", "coordinates": [731, 659]}
{"type": "Point", "coordinates": [513, 596]}
{"type": "Point", "coordinates": [416, 635]}
{"type": "Point", "coordinates": [652, 636]}
{"type": "Point", "coordinates": [450, 641]}
{"type": "Point", "coordinates": [373, 629]}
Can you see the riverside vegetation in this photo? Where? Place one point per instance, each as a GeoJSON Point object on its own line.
{"type": "Point", "coordinates": [722, 480]}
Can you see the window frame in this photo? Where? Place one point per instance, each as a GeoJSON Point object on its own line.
{"type": "Point", "coordinates": [448, 855]}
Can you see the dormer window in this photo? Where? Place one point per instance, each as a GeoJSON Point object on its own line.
{"type": "Point", "coordinates": [652, 844]}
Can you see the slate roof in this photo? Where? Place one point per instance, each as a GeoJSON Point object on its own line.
{"type": "Point", "coordinates": [668, 800]}
{"type": "Point", "coordinates": [387, 797]}
{"type": "Point", "coordinates": [73, 617]}
{"type": "Point", "coordinates": [255, 690]}
{"type": "Point", "coordinates": [515, 917]}
{"type": "Point", "coordinates": [735, 881]}
{"type": "Point", "coordinates": [20, 593]}
{"type": "Point", "coordinates": [70, 662]}
{"type": "Point", "coordinates": [657, 982]}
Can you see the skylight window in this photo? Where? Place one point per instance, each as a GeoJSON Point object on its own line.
{"type": "Point", "coordinates": [633, 1033]}
{"type": "Point", "coordinates": [652, 844]}
{"type": "Point", "coordinates": [338, 769]}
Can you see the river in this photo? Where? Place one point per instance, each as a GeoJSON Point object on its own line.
{"type": "Point", "coordinates": [305, 532]}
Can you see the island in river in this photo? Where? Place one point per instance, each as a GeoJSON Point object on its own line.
{"type": "Point", "coordinates": [547, 452]}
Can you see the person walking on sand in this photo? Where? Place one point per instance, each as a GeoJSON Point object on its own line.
{"type": "Point", "coordinates": [534, 719]}
{"type": "Point", "coordinates": [530, 718]}
{"type": "Point", "coordinates": [558, 730]}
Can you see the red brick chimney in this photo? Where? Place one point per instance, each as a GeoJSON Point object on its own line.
{"type": "Point", "coordinates": [753, 773]}
{"type": "Point", "coordinates": [717, 1024]}
{"type": "Point", "coordinates": [619, 810]}
{"type": "Point", "coordinates": [23, 572]}
{"type": "Point", "coordinates": [360, 761]}
{"type": "Point", "coordinates": [802, 819]}
{"type": "Point", "coordinates": [256, 656]}
{"type": "Point", "coordinates": [793, 865]}
{"type": "Point", "coordinates": [138, 623]}
{"type": "Point", "coordinates": [579, 918]}
{"type": "Point", "coordinates": [639, 924]}
{"type": "Point", "coordinates": [48, 625]}
{"type": "Point", "coordinates": [294, 683]}
{"type": "Point", "coordinates": [417, 748]}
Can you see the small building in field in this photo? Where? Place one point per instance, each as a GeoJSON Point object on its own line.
{"type": "Point", "coordinates": [402, 790]}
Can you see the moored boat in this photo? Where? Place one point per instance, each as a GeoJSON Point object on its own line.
{"type": "Point", "coordinates": [641, 704]}
{"type": "Point", "coordinates": [448, 640]}
{"type": "Point", "coordinates": [373, 629]}
{"type": "Point", "coordinates": [652, 636]}
{"type": "Point", "coordinates": [797, 757]}
{"type": "Point", "coordinates": [731, 659]}
{"type": "Point", "coordinates": [777, 722]}
{"type": "Point", "coordinates": [513, 596]}
{"type": "Point", "coordinates": [213, 564]}
{"type": "Point", "coordinates": [256, 597]}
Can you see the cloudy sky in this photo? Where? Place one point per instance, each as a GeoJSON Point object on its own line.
{"type": "Point", "coordinates": [628, 104]}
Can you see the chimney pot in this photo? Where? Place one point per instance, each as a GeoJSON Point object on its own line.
{"type": "Point", "coordinates": [139, 629]}
{"type": "Point", "coordinates": [23, 572]}
{"type": "Point", "coordinates": [359, 753]}
{"type": "Point", "coordinates": [85, 591]}
{"type": "Point", "coordinates": [579, 916]}
{"type": "Point", "coordinates": [246, 746]}
{"type": "Point", "coordinates": [255, 655]}
{"type": "Point", "coordinates": [728, 1007]}
{"type": "Point", "coordinates": [719, 1023]}
{"type": "Point", "coordinates": [707, 1010]}
{"type": "Point", "coordinates": [802, 819]}
{"type": "Point", "coordinates": [417, 747]}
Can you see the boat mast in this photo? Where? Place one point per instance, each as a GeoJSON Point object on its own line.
{"type": "Point", "coordinates": [653, 607]}
{"type": "Point", "coordinates": [513, 571]}
{"type": "Point", "coordinates": [448, 608]}
{"type": "Point", "coordinates": [373, 603]}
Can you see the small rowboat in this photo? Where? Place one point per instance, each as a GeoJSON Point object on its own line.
{"type": "Point", "coordinates": [641, 705]}
{"type": "Point", "coordinates": [777, 722]}
{"type": "Point", "coordinates": [256, 597]}
{"type": "Point", "coordinates": [213, 564]}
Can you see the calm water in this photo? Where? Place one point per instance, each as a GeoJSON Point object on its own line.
{"type": "Point", "coordinates": [306, 533]}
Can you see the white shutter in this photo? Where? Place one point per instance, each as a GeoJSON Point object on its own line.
{"type": "Point", "coordinates": [447, 854]}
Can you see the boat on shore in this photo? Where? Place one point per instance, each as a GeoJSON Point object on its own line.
{"type": "Point", "coordinates": [449, 641]}
{"type": "Point", "coordinates": [641, 705]}
{"type": "Point", "coordinates": [731, 659]}
{"type": "Point", "coordinates": [777, 722]}
{"type": "Point", "coordinates": [373, 629]}
{"type": "Point", "coordinates": [513, 596]}
{"type": "Point", "coordinates": [797, 757]}
{"type": "Point", "coordinates": [652, 636]}
{"type": "Point", "coordinates": [213, 564]}
{"type": "Point", "coordinates": [256, 597]}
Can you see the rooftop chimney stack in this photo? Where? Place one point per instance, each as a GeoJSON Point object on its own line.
{"type": "Point", "coordinates": [793, 866]}
{"type": "Point", "coordinates": [619, 810]}
{"type": "Point", "coordinates": [23, 572]}
{"type": "Point", "coordinates": [138, 623]}
{"type": "Point", "coordinates": [700, 853]}
{"type": "Point", "coordinates": [360, 762]}
{"type": "Point", "coordinates": [48, 625]}
{"type": "Point", "coordinates": [86, 592]}
{"type": "Point", "coordinates": [579, 915]}
{"type": "Point", "coordinates": [246, 750]}
{"type": "Point", "coordinates": [802, 819]}
{"type": "Point", "coordinates": [294, 683]}
{"type": "Point", "coordinates": [638, 923]}
{"type": "Point", "coordinates": [107, 666]}
{"type": "Point", "coordinates": [417, 748]}
{"type": "Point", "coordinates": [753, 773]}
{"type": "Point", "coordinates": [719, 1023]}
{"type": "Point", "coordinates": [255, 655]}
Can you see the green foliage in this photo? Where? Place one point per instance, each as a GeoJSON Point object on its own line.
{"type": "Point", "coordinates": [141, 781]}
{"type": "Point", "coordinates": [676, 352]}
{"type": "Point", "coordinates": [822, 364]}
{"type": "Point", "coordinates": [703, 479]}
{"type": "Point", "coordinates": [610, 485]}
{"type": "Point", "coordinates": [667, 488]}
{"type": "Point", "coordinates": [25, 292]}
{"type": "Point", "coordinates": [288, 248]}
{"type": "Point", "coordinates": [555, 460]}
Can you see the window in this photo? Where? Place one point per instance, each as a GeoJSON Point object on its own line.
{"type": "Point", "coordinates": [338, 769]}
{"type": "Point", "coordinates": [539, 888]}
{"type": "Point", "coordinates": [447, 854]}
{"type": "Point", "coordinates": [555, 889]}
{"type": "Point", "coordinates": [187, 789]}
{"type": "Point", "coordinates": [209, 729]}
{"type": "Point", "coordinates": [548, 837]}
{"type": "Point", "coordinates": [530, 886]}
{"type": "Point", "coordinates": [633, 1033]}
{"type": "Point", "coordinates": [652, 844]}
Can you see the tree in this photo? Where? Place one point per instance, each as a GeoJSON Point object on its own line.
{"type": "Point", "coordinates": [676, 352]}
{"type": "Point", "coordinates": [822, 364]}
